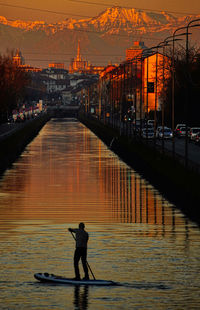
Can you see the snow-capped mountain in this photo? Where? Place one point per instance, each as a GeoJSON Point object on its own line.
{"type": "Point", "coordinates": [113, 30]}
{"type": "Point", "coordinates": [115, 18]}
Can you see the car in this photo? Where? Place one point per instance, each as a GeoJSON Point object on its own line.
{"type": "Point", "coordinates": [197, 139]}
{"type": "Point", "coordinates": [138, 122]}
{"type": "Point", "coordinates": [151, 122]}
{"type": "Point", "coordinates": [164, 132]}
{"type": "Point", "coordinates": [182, 132]}
{"type": "Point", "coordinates": [147, 133]}
{"type": "Point", "coordinates": [10, 119]}
{"type": "Point", "coordinates": [193, 132]}
{"type": "Point", "coordinates": [159, 128]}
{"type": "Point", "coordinates": [149, 126]}
{"type": "Point", "coordinates": [177, 129]}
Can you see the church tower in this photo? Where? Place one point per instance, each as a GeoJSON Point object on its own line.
{"type": "Point", "coordinates": [78, 57]}
{"type": "Point", "coordinates": [18, 59]}
{"type": "Point", "coordinates": [78, 64]}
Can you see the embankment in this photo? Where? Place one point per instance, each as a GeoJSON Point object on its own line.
{"type": "Point", "coordinates": [13, 142]}
{"type": "Point", "coordinates": [180, 186]}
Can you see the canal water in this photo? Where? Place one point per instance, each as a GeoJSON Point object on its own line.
{"type": "Point", "coordinates": [66, 175]}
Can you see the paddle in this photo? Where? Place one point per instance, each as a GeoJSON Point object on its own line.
{"type": "Point", "coordinates": [86, 260]}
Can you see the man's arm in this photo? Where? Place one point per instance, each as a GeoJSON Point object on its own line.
{"type": "Point", "coordinates": [72, 230]}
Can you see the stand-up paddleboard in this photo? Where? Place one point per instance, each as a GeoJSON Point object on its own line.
{"type": "Point", "coordinates": [51, 278]}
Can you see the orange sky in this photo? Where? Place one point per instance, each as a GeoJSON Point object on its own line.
{"type": "Point", "coordinates": [84, 9]}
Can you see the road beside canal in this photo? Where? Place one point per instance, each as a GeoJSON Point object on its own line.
{"type": "Point", "coordinates": [15, 137]}
{"type": "Point", "coordinates": [179, 185]}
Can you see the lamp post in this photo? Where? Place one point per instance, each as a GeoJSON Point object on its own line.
{"type": "Point", "coordinates": [188, 85]}
{"type": "Point", "coordinates": [187, 36]}
{"type": "Point", "coordinates": [165, 43]}
{"type": "Point", "coordinates": [156, 91]}
{"type": "Point", "coordinates": [145, 54]}
{"type": "Point", "coordinates": [100, 98]}
{"type": "Point", "coordinates": [173, 84]}
{"type": "Point", "coordinates": [135, 93]}
{"type": "Point", "coordinates": [136, 60]}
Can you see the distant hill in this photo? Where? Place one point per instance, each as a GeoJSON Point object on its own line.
{"type": "Point", "coordinates": [103, 38]}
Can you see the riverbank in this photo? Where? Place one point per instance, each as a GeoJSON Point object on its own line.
{"type": "Point", "coordinates": [178, 185]}
{"type": "Point", "coordinates": [15, 137]}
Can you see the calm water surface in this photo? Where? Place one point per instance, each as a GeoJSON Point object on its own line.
{"type": "Point", "coordinates": [137, 238]}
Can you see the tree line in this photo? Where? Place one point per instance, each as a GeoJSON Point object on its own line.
{"type": "Point", "coordinates": [13, 83]}
{"type": "Point", "coordinates": [186, 90]}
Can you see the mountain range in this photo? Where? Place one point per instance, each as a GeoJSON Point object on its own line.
{"type": "Point", "coordinates": [103, 38]}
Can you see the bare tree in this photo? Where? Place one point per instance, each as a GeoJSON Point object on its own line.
{"type": "Point", "coordinates": [13, 81]}
{"type": "Point", "coordinates": [187, 88]}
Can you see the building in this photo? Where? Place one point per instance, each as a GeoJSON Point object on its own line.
{"type": "Point", "coordinates": [19, 60]}
{"type": "Point", "coordinates": [77, 82]}
{"type": "Point", "coordinates": [28, 68]}
{"type": "Point", "coordinates": [134, 88]}
{"type": "Point", "coordinates": [135, 50]}
{"type": "Point", "coordinates": [81, 66]}
{"type": "Point", "coordinates": [57, 65]}
{"type": "Point", "coordinates": [78, 64]}
{"type": "Point", "coordinates": [95, 70]}
{"type": "Point", "coordinates": [155, 68]}
{"type": "Point", "coordinates": [55, 80]}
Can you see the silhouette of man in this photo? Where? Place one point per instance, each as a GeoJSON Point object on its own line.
{"type": "Point", "coordinates": [81, 250]}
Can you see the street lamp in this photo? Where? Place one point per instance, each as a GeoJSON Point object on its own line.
{"type": "Point", "coordinates": [173, 83]}
{"type": "Point", "coordinates": [145, 54]}
{"type": "Point", "coordinates": [188, 85]}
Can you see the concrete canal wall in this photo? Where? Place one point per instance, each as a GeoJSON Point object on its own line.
{"type": "Point", "coordinates": [178, 185]}
{"type": "Point", "coordinates": [13, 141]}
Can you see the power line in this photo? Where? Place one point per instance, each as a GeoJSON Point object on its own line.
{"type": "Point", "coordinates": [141, 36]}
{"type": "Point", "coordinates": [94, 3]}
{"type": "Point", "coordinates": [100, 63]}
{"type": "Point", "coordinates": [83, 30]}
{"type": "Point", "coordinates": [43, 10]}
{"type": "Point", "coordinates": [91, 31]}
{"type": "Point", "coordinates": [57, 60]}
{"type": "Point", "coordinates": [70, 54]}
{"type": "Point", "coordinates": [128, 7]}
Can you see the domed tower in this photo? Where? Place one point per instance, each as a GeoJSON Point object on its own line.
{"type": "Point", "coordinates": [18, 59]}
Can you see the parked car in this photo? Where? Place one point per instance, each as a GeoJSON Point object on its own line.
{"type": "Point", "coordinates": [147, 133]}
{"type": "Point", "coordinates": [177, 129]}
{"type": "Point", "coordinates": [159, 128]}
{"type": "Point", "coordinates": [149, 126]}
{"type": "Point", "coordinates": [197, 139]}
{"type": "Point", "coordinates": [136, 128]}
{"type": "Point", "coordinates": [182, 132]}
{"type": "Point", "coordinates": [151, 122]}
{"type": "Point", "coordinates": [10, 119]}
{"type": "Point", "coordinates": [164, 132]}
{"type": "Point", "coordinates": [193, 132]}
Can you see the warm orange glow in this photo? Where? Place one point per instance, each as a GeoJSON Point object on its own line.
{"type": "Point", "coordinates": [150, 65]}
{"type": "Point", "coordinates": [90, 184]}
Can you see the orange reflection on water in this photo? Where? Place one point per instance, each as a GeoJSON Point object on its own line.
{"type": "Point", "coordinates": [68, 175]}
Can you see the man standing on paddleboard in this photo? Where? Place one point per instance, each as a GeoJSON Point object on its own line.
{"type": "Point", "coordinates": [81, 250]}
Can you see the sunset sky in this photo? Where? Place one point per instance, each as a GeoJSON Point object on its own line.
{"type": "Point", "coordinates": [82, 9]}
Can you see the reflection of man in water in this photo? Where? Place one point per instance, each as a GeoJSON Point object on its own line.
{"type": "Point", "coordinates": [81, 297]}
{"type": "Point", "coordinates": [81, 250]}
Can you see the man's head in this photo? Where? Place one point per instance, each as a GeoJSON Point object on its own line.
{"type": "Point", "coordinates": [81, 225]}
